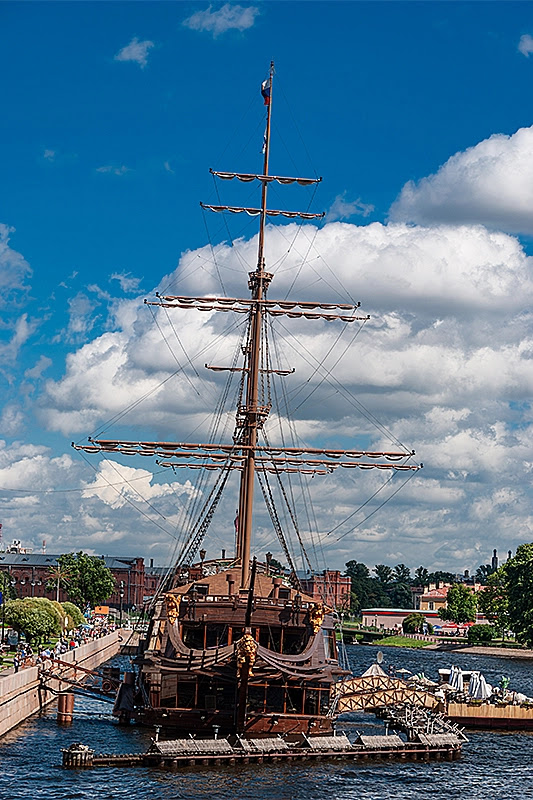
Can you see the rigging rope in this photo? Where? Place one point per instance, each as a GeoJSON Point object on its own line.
{"type": "Point", "coordinates": [347, 393]}
{"type": "Point", "coordinates": [407, 479]}
{"type": "Point", "coordinates": [128, 500]}
{"type": "Point", "coordinates": [289, 508]}
{"type": "Point", "coordinates": [191, 547]}
{"type": "Point", "coordinates": [322, 362]}
{"type": "Point", "coordinates": [304, 485]}
{"type": "Point", "coordinates": [269, 502]}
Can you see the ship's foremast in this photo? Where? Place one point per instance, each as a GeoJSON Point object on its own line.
{"type": "Point", "coordinates": [245, 454]}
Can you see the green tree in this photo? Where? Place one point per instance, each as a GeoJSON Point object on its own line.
{"type": "Point", "coordinates": [53, 608]}
{"type": "Point", "coordinates": [367, 592]}
{"type": "Point", "coordinates": [421, 576]}
{"type": "Point", "coordinates": [385, 574]}
{"type": "Point", "coordinates": [461, 604]}
{"type": "Point", "coordinates": [401, 596]}
{"type": "Point", "coordinates": [414, 623]}
{"type": "Point", "coordinates": [493, 601]}
{"type": "Point", "coordinates": [277, 566]}
{"type": "Point", "coordinates": [90, 580]}
{"type": "Point", "coordinates": [400, 592]}
{"type": "Point", "coordinates": [519, 584]}
{"type": "Point", "coordinates": [402, 574]}
{"type": "Point", "coordinates": [478, 634]}
{"type": "Point", "coordinates": [441, 577]}
{"type": "Point", "coordinates": [6, 587]}
{"type": "Point", "coordinates": [35, 617]}
{"type": "Point", "coordinates": [58, 579]}
{"type": "Point", "coordinates": [483, 572]}
{"type": "Point", "coordinates": [74, 614]}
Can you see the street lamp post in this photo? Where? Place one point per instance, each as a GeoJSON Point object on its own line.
{"type": "Point", "coordinates": [3, 612]}
{"type": "Point", "coordinates": [121, 600]}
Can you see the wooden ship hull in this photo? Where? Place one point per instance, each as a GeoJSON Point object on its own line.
{"type": "Point", "coordinates": [205, 670]}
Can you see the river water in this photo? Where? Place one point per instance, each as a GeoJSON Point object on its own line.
{"type": "Point", "coordinates": [495, 766]}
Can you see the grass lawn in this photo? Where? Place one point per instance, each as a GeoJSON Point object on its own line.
{"type": "Point", "coordinates": [401, 641]}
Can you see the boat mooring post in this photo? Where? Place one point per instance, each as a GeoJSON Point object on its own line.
{"type": "Point", "coordinates": [65, 708]}
{"type": "Point", "coordinates": [77, 756]}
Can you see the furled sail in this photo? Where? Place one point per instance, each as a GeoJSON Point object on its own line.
{"type": "Point", "coordinates": [247, 177]}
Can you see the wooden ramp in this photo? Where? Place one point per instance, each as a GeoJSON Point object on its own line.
{"type": "Point", "coordinates": [378, 691]}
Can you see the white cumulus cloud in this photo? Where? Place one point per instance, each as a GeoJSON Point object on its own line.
{"type": "Point", "coordinates": [342, 209]}
{"type": "Point", "coordinates": [490, 183]}
{"type": "Point", "coordinates": [128, 283]}
{"type": "Point", "coordinates": [113, 170]}
{"type": "Point", "coordinates": [136, 51]}
{"type": "Point", "coordinates": [14, 269]}
{"type": "Point", "coordinates": [228, 17]}
{"type": "Point", "coordinates": [445, 363]}
{"type": "Point", "coordinates": [37, 370]}
{"type": "Point", "coordinates": [525, 45]}
{"type": "Point", "coordinates": [11, 420]}
{"type": "Point", "coordinates": [116, 484]}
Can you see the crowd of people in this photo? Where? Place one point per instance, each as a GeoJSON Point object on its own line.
{"type": "Point", "coordinates": [25, 656]}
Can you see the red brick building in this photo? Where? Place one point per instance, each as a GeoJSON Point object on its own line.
{"type": "Point", "coordinates": [30, 574]}
{"type": "Point", "coordinates": [329, 587]}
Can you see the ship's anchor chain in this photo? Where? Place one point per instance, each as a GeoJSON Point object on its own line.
{"type": "Point", "coordinates": [246, 653]}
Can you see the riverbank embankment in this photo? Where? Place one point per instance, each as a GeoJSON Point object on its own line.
{"type": "Point", "coordinates": [22, 693]}
{"type": "Point", "coordinates": [419, 642]}
{"type": "Point", "coordinates": [478, 650]}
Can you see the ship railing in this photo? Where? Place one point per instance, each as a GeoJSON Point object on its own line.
{"type": "Point", "coordinates": [243, 599]}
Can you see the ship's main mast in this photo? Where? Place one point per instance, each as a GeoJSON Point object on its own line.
{"type": "Point", "coordinates": [259, 281]}
{"type": "Point", "coordinates": [245, 454]}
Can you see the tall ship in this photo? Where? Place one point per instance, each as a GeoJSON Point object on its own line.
{"type": "Point", "coordinates": [234, 645]}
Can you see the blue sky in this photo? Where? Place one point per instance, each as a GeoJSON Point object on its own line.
{"type": "Point", "coordinates": [113, 114]}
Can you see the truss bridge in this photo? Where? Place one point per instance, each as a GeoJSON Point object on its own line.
{"type": "Point", "coordinates": [372, 692]}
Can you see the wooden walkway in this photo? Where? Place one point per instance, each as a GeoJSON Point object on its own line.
{"type": "Point", "coordinates": [186, 753]}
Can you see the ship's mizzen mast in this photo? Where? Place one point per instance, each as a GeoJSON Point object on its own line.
{"type": "Point", "coordinates": [245, 455]}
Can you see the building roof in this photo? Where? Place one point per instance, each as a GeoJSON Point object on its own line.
{"type": "Point", "coordinates": [155, 572]}
{"type": "Point", "coordinates": [50, 560]}
{"type": "Point", "coordinates": [27, 560]}
{"type": "Point", "coordinates": [436, 594]}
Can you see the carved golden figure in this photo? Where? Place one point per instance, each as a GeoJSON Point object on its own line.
{"type": "Point", "coordinates": [173, 607]}
{"type": "Point", "coordinates": [246, 652]}
{"type": "Point", "coordinates": [316, 616]}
